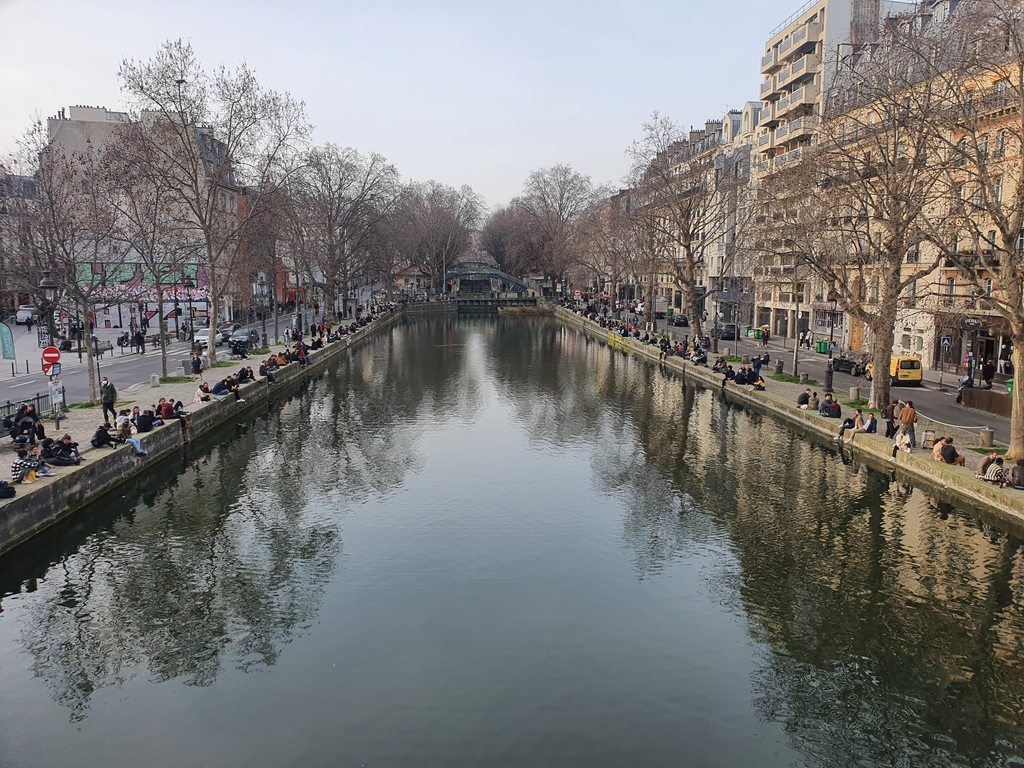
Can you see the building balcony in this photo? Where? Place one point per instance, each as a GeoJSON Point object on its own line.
{"type": "Point", "coordinates": [802, 67]}
{"type": "Point", "coordinates": [769, 61]}
{"type": "Point", "coordinates": [808, 33]}
{"type": "Point", "coordinates": [788, 158]}
{"type": "Point", "coordinates": [764, 141]}
{"type": "Point", "coordinates": [785, 45]}
{"type": "Point", "coordinates": [767, 87]}
{"type": "Point", "coordinates": [807, 94]}
{"type": "Point", "coordinates": [767, 117]}
{"type": "Point", "coordinates": [781, 132]}
{"type": "Point", "coordinates": [802, 126]}
{"type": "Point", "coordinates": [764, 166]}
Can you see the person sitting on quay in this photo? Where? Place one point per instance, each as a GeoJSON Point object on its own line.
{"type": "Point", "coordinates": [203, 394]}
{"type": "Point", "coordinates": [870, 427]}
{"type": "Point", "coordinates": [937, 448]}
{"type": "Point", "coordinates": [123, 424]}
{"type": "Point", "coordinates": [985, 463]}
{"type": "Point", "coordinates": [243, 375]}
{"type": "Point", "coordinates": [1017, 475]}
{"type": "Point", "coordinates": [103, 438]}
{"type": "Point", "coordinates": [267, 372]}
{"type": "Point", "coordinates": [996, 473]}
{"type": "Point", "coordinates": [50, 452]}
{"type": "Point", "coordinates": [950, 455]}
{"type": "Point", "coordinates": [25, 468]}
{"type": "Point", "coordinates": [758, 385]}
{"type": "Point", "coordinates": [146, 421]}
{"type": "Point", "coordinates": [803, 399]}
{"type": "Point", "coordinates": [902, 443]}
{"type": "Point", "coordinates": [855, 423]}
{"type": "Point", "coordinates": [813, 403]}
{"type": "Point", "coordinates": [825, 409]}
{"type": "Point", "coordinates": [741, 376]}
{"type": "Point", "coordinates": [69, 448]}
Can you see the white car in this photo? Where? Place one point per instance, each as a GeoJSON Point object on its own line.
{"type": "Point", "coordinates": [26, 312]}
{"type": "Point", "coordinates": [203, 337]}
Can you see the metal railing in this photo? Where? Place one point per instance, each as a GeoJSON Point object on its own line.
{"type": "Point", "coordinates": [40, 401]}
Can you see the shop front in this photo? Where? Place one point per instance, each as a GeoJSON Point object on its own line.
{"type": "Point", "coordinates": [961, 340]}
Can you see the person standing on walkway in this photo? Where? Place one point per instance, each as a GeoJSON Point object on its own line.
{"type": "Point", "coordinates": [908, 418]}
{"type": "Point", "coordinates": [889, 417]}
{"type": "Point", "coordinates": [988, 372]}
{"type": "Point", "coordinates": [197, 367]}
{"type": "Point", "coordinates": [108, 396]}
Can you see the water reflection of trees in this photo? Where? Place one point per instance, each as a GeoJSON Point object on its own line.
{"type": "Point", "coordinates": [226, 563]}
{"type": "Point", "coordinates": [895, 624]}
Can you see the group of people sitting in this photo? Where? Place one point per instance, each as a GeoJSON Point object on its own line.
{"type": "Point", "coordinates": [39, 460]}
{"type": "Point", "coordinates": [993, 470]}
{"type": "Point", "coordinates": [25, 427]}
{"type": "Point", "coordinates": [747, 374]}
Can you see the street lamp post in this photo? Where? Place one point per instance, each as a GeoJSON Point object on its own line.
{"type": "Point", "coordinates": [263, 299]}
{"type": "Point", "coordinates": [188, 285]}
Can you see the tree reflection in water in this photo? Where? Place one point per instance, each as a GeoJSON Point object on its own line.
{"type": "Point", "coordinates": [895, 622]}
{"type": "Point", "coordinates": [227, 564]}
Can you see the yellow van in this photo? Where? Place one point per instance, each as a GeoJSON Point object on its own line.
{"type": "Point", "coordinates": [902, 370]}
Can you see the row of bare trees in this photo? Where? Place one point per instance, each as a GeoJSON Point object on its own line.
{"type": "Point", "coordinates": [213, 177]}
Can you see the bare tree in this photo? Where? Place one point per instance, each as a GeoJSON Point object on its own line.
{"type": "Point", "coordinates": [553, 200]}
{"type": "Point", "coordinates": [508, 237]}
{"type": "Point", "coordinates": [682, 204]}
{"type": "Point", "coordinates": [980, 229]}
{"type": "Point", "coordinates": [69, 229]}
{"type": "Point", "coordinates": [213, 135]}
{"type": "Point", "coordinates": [442, 221]}
{"type": "Point", "coordinates": [340, 198]}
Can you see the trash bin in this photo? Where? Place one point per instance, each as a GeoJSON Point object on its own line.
{"type": "Point", "coordinates": [747, 330]}
{"type": "Point", "coordinates": [758, 333]}
{"type": "Point", "coordinates": [822, 347]}
{"type": "Point", "coordinates": [1009, 387]}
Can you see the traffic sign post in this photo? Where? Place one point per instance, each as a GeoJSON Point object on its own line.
{"type": "Point", "coordinates": [51, 355]}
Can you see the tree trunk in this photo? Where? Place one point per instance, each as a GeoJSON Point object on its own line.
{"type": "Point", "coordinates": [1016, 450]}
{"type": "Point", "coordinates": [89, 354]}
{"type": "Point", "coordinates": [211, 303]}
{"type": "Point", "coordinates": [881, 355]}
{"type": "Point", "coordinates": [689, 292]}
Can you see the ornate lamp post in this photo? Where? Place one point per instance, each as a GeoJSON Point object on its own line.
{"type": "Point", "coordinates": [263, 300]}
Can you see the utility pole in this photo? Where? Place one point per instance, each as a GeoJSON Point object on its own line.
{"type": "Point", "coordinates": [796, 326]}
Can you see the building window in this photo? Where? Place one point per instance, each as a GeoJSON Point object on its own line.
{"type": "Point", "coordinates": [997, 189]}
{"type": "Point", "coordinates": [950, 291]}
{"type": "Point", "coordinates": [988, 286]}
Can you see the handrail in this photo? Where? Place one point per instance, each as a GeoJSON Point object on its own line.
{"type": "Point", "coordinates": [803, 9]}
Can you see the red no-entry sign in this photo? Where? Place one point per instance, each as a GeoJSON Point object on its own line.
{"type": "Point", "coordinates": [51, 355]}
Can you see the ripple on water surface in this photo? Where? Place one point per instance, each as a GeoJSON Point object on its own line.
{"type": "Point", "coordinates": [496, 542]}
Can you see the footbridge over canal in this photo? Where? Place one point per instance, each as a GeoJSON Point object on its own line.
{"type": "Point", "coordinates": [482, 287]}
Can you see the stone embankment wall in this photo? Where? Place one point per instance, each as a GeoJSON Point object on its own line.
{"type": "Point", "coordinates": [956, 484]}
{"type": "Point", "coordinates": [39, 506]}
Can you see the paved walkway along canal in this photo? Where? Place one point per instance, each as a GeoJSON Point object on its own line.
{"type": "Point", "coordinates": [499, 541]}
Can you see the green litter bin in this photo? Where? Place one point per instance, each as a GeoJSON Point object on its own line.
{"type": "Point", "coordinates": [747, 330]}
{"type": "Point", "coordinates": [822, 347]}
{"type": "Point", "coordinates": [1009, 387]}
{"type": "Point", "coordinates": [758, 333]}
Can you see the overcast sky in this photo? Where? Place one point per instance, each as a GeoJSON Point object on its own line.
{"type": "Point", "coordinates": [477, 93]}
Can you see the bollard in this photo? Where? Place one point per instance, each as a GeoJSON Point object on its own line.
{"type": "Point", "coordinates": [728, 351]}
{"type": "Point", "coordinates": [746, 360]}
{"type": "Point", "coordinates": [828, 375]}
{"type": "Point", "coordinates": [986, 437]}
{"type": "Point", "coordinates": [855, 393]}
{"type": "Point", "coordinates": [803, 377]}
{"type": "Point", "coordinates": [26, 366]}
{"type": "Point", "coordinates": [714, 344]}
{"type": "Point", "coordinates": [14, 370]}
{"type": "Point", "coordinates": [154, 380]}
{"type": "Point", "coordinates": [778, 367]}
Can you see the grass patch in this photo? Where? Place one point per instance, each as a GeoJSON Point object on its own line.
{"type": "Point", "coordinates": [260, 351]}
{"type": "Point", "coordinates": [77, 406]}
{"type": "Point", "coordinates": [985, 451]}
{"type": "Point", "coordinates": [789, 378]}
{"type": "Point", "coordinates": [860, 402]}
{"type": "Point", "coordinates": [224, 364]}
{"type": "Point", "coordinates": [175, 379]}
{"type": "Point", "coordinates": [734, 359]}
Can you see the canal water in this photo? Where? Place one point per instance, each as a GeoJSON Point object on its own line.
{"type": "Point", "coordinates": [495, 542]}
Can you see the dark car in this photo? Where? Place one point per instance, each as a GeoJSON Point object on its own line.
{"type": "Point", "coordinates": [727, 331]}
{"type": "Point", "coordinates": [244, 336]}
{"type": "Point", "coordinates": [226, 329]}
{"type": "Point", "coordinates": [849, 363]}
{"type": "Point", "coordinates": [680, 320]}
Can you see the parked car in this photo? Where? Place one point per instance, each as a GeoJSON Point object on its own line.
{"type": "Point", "coordinates": [850, 363]}
{"type": "Point", "coordinates": [26, 312]}
{"type": "Point", "coordinates": [244, 336]}
{"type": "Point", "coordinates": [203, 338]}
{"type": "Point", "coordinates": [680, 320]}
{"type": "Point", "coordinates": [226, 329]}
{"type": "Point", "coordinates": [727, 331]}
{"type": "Point", "coordinates": [902, 370]}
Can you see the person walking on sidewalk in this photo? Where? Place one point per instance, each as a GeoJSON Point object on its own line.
{"type": "Point", "coordinates": [908, 418]}
{"type": "Point", "coordinates": [108, 396]}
